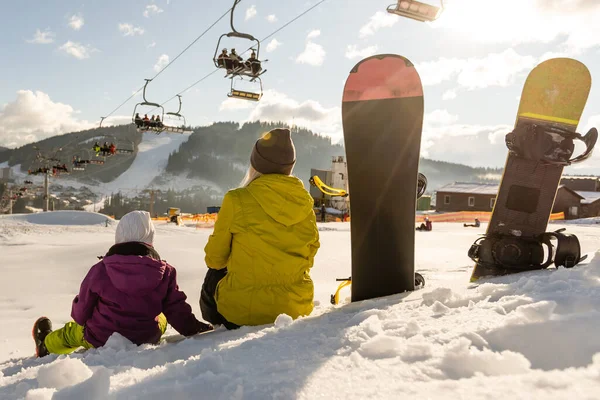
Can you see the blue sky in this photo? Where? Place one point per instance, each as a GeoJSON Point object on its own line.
{"type": "Point", "coordinates": [68, 63]}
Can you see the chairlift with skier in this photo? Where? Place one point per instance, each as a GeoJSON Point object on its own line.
{"type": "Point", "coordinates": [234, 64]}
{"type": "Point", "coordinates": [156, 122]}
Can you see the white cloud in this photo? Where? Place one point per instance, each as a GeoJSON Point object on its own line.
{"type": "Point", "coordinates": [573, 22]}
{"type": "Point", "coordinates": [76, 21]}
{"type": "Point", "coordinates": [115, 120]}
{"type": "Point", "coordinates": [34, 116]}
{"type": "Point", "coordinates": [232, 104]}
{"type": "Point", "coordinates": [77, 50]}
{"type": "Point", "coordinates": [273, 45]}
{"type": "Point", "coordinates": [352, 51]}
{"type": "Point", "coordinates": [313, 54]}
{"type": "Point", "coordinates": [313, 34]}
{"type": "Point", "coordinates": [496, 69]}
{"type": "Point", "coordinates": [251, 12]}
{"type": "Point", "coordinates": [449, 95]}
{"type": "Point", "coordinates": [275, 106]}
{"type": "Point", "coordinates": [163, 60]}
{"type": "Point", "coordinates": [379, 20]}
{"type": "Point", "coordinates": [40, 37]}
{"type": "Point", "coordinates": [476, 145]}
{"type": "Point", "coordinates": [272, 18]}
{"type": "Point", "coordinates": [153, 44]}
{"type": "Point", "coordinates": [130, 30]}
{"type": "Point", "coordinates": [152, 9]}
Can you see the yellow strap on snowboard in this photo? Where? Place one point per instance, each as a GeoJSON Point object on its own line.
{"type": "Point", "coordinates": [335, 298]}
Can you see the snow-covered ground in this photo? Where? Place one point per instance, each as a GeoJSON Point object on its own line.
{"type": "Point", "coordinates": [528, 336]}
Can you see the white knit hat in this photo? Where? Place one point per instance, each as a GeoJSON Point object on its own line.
{"type": "Point", "coordinates": [135, 226]}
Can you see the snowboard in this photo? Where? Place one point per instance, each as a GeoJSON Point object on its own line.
{"type": "Point", "coordinates": [382, 117]}
{"type": "Point", "coordinates": [551, 104]}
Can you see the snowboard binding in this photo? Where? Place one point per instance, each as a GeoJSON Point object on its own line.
{"type": "Point", "coordinates": [549, 144]}
{"type": "Point", "coordinates": [509, 254]}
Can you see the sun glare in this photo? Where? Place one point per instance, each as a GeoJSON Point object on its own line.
{"type": "Point", "coordinates": [491, 21]}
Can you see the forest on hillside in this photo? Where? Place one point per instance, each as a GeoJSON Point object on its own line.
{"type": "Point", "coordinates": [221, 152]}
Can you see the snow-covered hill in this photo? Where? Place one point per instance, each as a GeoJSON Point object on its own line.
{"type": "Point", "coordinates": [146, 171]}
{"type": "Point", "coordinates": [527, 336]}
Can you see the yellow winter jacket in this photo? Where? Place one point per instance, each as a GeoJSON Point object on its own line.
{"type": "Point", "coordinates": [266, 235]}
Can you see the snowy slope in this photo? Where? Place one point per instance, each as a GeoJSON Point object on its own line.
{"type": "Point", "coordinates": [150, 163]}
{"type": "Point", "coordinates": [527, 336]}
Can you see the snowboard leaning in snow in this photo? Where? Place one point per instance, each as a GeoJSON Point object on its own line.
{"type": "Point", "coordinates": [541, 144]}
{"type": "Point", "coordinates": [382, 116]}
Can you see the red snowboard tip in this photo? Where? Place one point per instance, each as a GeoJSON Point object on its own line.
{"type": "Point", "coordinates": [383, 77]}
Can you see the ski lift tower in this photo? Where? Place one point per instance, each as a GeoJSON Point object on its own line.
{"type": "Point", "coordinates": [5, 175]}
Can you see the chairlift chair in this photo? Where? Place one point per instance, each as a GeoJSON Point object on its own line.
{"type": "Point", "coordinates": [242, 70]}
{"type": "Point", "coordinates": [243, 94]}
{"type": "Point", "coordinates": [416, 10]}
{"type": "Point", "coordinates": [144, 127]}
{"type": "Point", "coordinates": [168, 126]}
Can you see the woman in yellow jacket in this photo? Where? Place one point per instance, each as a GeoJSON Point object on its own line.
{"type": "Point", "coordinates": [264, 243]}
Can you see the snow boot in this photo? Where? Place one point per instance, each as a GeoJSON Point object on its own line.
{"type": "Point", "coordinates": [41, 328]}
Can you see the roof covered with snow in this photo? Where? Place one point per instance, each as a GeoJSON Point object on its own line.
{"type": "Point", "coordinates": [470, 188]}
{"type": "Point", "coordinates": [581, 177]}
{"type": "Point", "coordinates": [588, 197]}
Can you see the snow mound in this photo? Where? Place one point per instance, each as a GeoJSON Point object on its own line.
{"type": "Point", "coordinates": [62, 218]}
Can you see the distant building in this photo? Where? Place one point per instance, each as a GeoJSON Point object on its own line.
{"type": "Point", "coordinates": [582, 183]}
{"type": "Point", "coordinates": [590, 205]}
{"type": "Point", "coordinates": [466, 196]}
{"type": "Point", "coordinates": [568, 201]}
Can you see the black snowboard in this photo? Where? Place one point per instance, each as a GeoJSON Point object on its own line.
{"type": "Point", "coordinates": [382, 114]}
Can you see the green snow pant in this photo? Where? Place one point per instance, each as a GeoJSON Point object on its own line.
{"type": "Point", "coordinates": [70, 337]}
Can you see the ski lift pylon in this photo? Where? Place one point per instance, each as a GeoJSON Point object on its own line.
{"type": "Point", "coordinates": [416, 10]}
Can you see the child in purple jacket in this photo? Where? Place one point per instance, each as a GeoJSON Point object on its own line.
{"type": "Point", "coordinates": [130, 291]}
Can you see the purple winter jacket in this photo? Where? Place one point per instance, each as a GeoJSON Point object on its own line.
{"type": "Point", "coordinates": [124, 294]}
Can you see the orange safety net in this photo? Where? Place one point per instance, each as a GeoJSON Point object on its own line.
{"type": "Point", "coordinates": [469, 216]}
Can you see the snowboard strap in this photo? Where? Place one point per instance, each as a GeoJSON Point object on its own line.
{"type": "Point", "coordinates": [515, 253]}
{"type": "Point", "coordinates": [549, 144]}
{"type": "Point", "coordinates": [568, 250]}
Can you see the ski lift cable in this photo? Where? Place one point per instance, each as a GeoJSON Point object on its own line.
{"type": "Point", "coordinates": [172, 61]}
{"type": "Point", "coordinates": [250, 48]}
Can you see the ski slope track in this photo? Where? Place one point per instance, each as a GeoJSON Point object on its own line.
{"type": "Point", "coordinates": [528, 336]}
{"type": "Point", "coordinates": [150, 162]}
